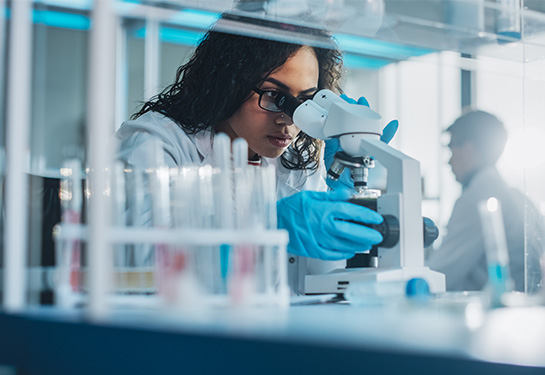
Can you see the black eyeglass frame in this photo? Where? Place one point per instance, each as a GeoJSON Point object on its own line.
{"type": "Point", "coordinates": [261, 93]}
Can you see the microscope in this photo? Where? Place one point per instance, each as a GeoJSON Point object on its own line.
{"type": "Point", "coordinates": [400, 257]}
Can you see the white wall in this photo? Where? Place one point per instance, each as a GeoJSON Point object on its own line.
{"type": "Point", "coordinates": [514, 92]}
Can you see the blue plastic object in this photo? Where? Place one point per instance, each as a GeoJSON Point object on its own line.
{"type": "Point", "coordinates": [389, 131]}
{"type": "Point", "coordinates": [417, 288]}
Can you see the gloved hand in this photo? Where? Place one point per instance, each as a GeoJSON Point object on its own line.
{"type": "Point", "coordinates": [332, 146]}
{"type": "Point", "coordinates": [318, 227]}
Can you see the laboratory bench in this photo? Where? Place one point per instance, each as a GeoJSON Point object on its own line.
{"type": "Point", "coordinates": [408, 338]}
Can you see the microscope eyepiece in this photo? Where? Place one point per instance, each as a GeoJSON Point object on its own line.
{"type": "Point", "coordinates": [287, 103]}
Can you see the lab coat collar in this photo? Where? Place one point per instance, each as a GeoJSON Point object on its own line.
{"type": "Point", "coordinates": [469, 178]}
{"type": "Point", "coordinates": [288, 181]}
{"type": "Point", "coordinates": [204, 141]}
{"type": "Point", "coordinates": [488, 173]}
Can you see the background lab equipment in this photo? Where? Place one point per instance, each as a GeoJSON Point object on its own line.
{"type": "Point", "coordinates": [359, 128]}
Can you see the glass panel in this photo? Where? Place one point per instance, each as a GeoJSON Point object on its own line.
{"type": "Point", "coordinates": [404, 56]}
{"type": "Point", "coordinates": [3, 88]}
{"type": "Point", "coordinates": [528, 149]}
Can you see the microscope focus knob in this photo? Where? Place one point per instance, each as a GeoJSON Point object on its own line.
{"type": "Point", "coordinates": [431, 232]}
{"type": "Point", "coordinates": [389, 229]}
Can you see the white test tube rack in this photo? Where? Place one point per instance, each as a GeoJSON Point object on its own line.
{"type": "Point", "coordinates": [278, 239]}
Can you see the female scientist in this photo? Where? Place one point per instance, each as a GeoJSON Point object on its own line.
{"type": "Point", "coordinates": [229, 86]}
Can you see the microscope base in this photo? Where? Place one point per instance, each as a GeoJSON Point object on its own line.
{"type": "Point", "coordinates": [338, 280]}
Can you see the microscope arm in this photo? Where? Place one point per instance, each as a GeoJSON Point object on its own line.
{"type": "Point", "coordinates": [403, 198]}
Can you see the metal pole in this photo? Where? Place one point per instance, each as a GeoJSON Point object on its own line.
{"type": "Point", "coordinates": [101, 115]}
{"type": "Point", "coordinates": [18, 123]}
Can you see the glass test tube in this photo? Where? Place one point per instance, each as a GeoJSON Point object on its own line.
{"type": "Point", "coordinates": [120, 251]}
{"type": "Point", "coordinates": [69, 256]}
{"type": "Point", "coordinates": [497, 256]}
{"type": "Point", "coordinates": [508, 22]}
{"type": "Point", "coordinates": [141, 256]}
{"type": "Point", "coordinates": [71, 203]}
{"type": "Point", "coordinates": [242, 285]}
{"type": "Point", "coordinates": [224, 194]}
{"type": "Point", "coordinates": [181, 277]}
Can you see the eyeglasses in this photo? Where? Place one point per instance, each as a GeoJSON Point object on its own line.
{"type": "Point", "coordinates": [267, 99]}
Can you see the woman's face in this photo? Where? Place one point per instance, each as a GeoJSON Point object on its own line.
{"type": "Point", "coordinates": [268, 133]}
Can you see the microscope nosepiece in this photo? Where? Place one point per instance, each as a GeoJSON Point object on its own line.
{"type": "Point", "coordinates": [336, 170]}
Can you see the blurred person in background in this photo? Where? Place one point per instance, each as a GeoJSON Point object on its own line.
{"type": "Point", "coordinates": [477, 140]}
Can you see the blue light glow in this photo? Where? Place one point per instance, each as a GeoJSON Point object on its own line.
{"type": "Point", "coordinates": [74, 4]}
{"type": "Point", "coordinates": [358, 52]}
{"type": "Point", "coordinates": [379, 48]}
{"type": "Point", "coordinates": [353, 61]}
{"type": "Point", "coordinates": [62, 19]}
{"type": "Point", "coordinates": [195, 18]}
{"type": "Point", "coordinates": [175, 36]}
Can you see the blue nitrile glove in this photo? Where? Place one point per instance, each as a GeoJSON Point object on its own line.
{"type": "Point", "coordinates": [318, 227]}
{"type": "Point", "coordinates": [332, 147]}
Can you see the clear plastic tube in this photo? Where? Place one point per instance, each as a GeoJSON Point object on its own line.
{"type": "Point", "coordinates": [508, 23]}
{"type": "Point", "coordinates": [242, 281]}
{"type": "Point", "coordinates": [119, 199]}
{"type": "Point", "coordinates": [497, 255]}
{"type": "Point", "coordinates": [71, 204]}
{"type": "Point", "coordinates": [175, 263]}
{"type": "Point", "coordinates": [224, 194]}
{"type": "Point", "coordinates": [69, 257]}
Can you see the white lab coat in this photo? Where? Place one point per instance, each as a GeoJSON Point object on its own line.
{"type": "Point", "coordinates": [180, 148]}
{"type": "Point", "coordinates": [461, 256]}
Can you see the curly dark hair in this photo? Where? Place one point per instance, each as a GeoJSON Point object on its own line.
{"type": "Point", "coordinates": [220, 76]}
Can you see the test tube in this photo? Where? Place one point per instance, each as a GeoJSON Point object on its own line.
{"type": "Point", "coordinates": [118, 196]}
{"type": "Point", "coordinates": [266, 209]}
{"type": "Point", "coordinates": [497, 256]}
{"type": "Point", "coordinates": [222, 160]}
{"type": "Point", "coordinates": [508, 22]}
{"type": "Point", "coordinates": [242, 278]}
{"type": "Point", "coordinates": [207, 256]}
{"type": "Point", "coordinates": [180, 277]}
{"type": "Point", "coordinates": [160, 210]}
{"type": "Point", "coordinates": [240, 182]}
{"type": "Point", "coordinates": [69, 257]}
{"type": "Point", "coordinates": [71, 204]}
{"type": "Point", "coordinates": [138, 215]}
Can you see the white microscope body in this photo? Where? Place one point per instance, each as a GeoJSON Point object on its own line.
{"type": "Point", "coordinates": [358, 129]}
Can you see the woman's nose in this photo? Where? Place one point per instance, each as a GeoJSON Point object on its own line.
{"type": "Point", "coordinates": [283, 119]}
